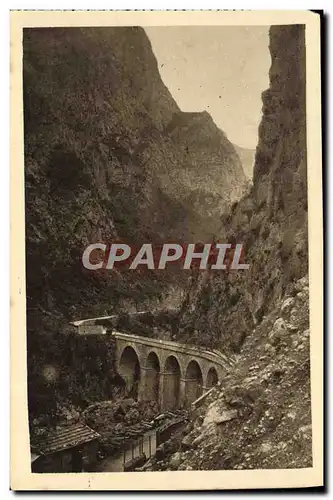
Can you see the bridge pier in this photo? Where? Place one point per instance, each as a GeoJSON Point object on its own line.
{"type": "Point", "coordinates": [192, 391]}
{"type": "Point", "coordinates": [169, 391]}
{"type": "Point", "coordinates": [149, 389]}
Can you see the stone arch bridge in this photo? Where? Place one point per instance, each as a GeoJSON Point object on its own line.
{"type": "Point", "coordinates": [171, 373]}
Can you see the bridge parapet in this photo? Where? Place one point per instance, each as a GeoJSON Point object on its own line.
{"type": "Point", "coordinates": [213, 356]}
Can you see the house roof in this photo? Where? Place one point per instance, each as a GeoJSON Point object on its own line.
{"type": "Point", "coordinates": [63, 438]}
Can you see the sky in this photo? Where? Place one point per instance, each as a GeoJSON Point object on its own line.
{"type": "Point", "coordinates": [220, 69]}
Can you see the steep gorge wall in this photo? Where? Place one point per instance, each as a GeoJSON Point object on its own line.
{"type": "Point", "coordinates": [271, 220]}
{"type": "Point", "coordinates": [105, 160]}
{"type": "Point", "coordinates": [259, 415]}
{"type": "Point", "coordinates": [100, 162]}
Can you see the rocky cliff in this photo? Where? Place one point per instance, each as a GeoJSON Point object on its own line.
{"type": "Point", "coordinates": [270, 220]}
{"type": "Point", "coordinates": [260, 414]}
{"type": "Point", "coordinates": [108, 155]}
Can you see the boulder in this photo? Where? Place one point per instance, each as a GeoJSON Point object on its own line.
{"type": "Point", "coordinates": [187, 442]}
{"type": "Point", "coordinates": [175, 460]}
{"type": "Point", "coordinates": [279, 330]}
{"type": "Point", "coordinates": [198, 440]}
{"type": "Point", "coordinates": [287, 305]}
{"type": "Point", "coordinates": [226, 416]}
{"type": "Point", "coordinates": [302, 284]}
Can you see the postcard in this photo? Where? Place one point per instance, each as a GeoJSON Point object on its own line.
{"type": "Point", "coordinates": [167, 250]}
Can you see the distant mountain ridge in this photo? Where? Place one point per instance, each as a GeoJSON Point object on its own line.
{"type": "Point", "coordinates": [271, 219]}
{"type": "Point", "coordinates": [247, 158]}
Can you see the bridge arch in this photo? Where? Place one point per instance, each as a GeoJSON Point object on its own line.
{"type": "Point", "coordinates": [193, 382]}
{"type": "Point", "coordinates": [212, 377]}
{"type": "Point", "coordinates": [184, 371]}
{"type": "Point", "coordinates": [171, 383]}
{"type": "Point", "coordinates": [153, 371]}
{"type": "Point", "coordinates": [130, 370]}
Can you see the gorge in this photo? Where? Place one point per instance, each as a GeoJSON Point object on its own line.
{"type": "Point", "coordinates": [109, 156]}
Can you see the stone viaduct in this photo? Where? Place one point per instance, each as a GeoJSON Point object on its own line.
{"type": "Point", "coordinates": [171, 373]}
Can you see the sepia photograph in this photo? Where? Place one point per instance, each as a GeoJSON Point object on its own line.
{"type": "Point", "coordinates": [169, 222]}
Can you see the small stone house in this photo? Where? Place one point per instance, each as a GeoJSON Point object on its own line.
{"type": "Point", "coordinates": [71, 448]}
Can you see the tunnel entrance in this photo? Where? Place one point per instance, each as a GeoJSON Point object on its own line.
{"type": "Point", "coordinates": [152, 377]}
{"type": "Point", "coordinates": [129, 370]}
{"type": "Point", "coordinates": [171, 384]}
{"type": "Point", "coordinates": [194, 382]}
{"type": "Point", "coordinates": [212, 378]}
